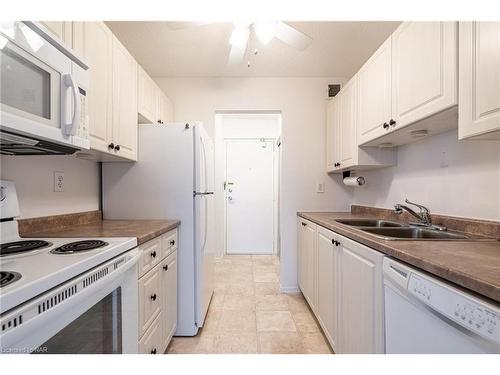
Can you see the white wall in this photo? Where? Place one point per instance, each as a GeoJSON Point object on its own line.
{"type": "Point", "coordinates": [302, 104]}
{"type": "Point", "coordinates": [34, 178]}
{"type": "Point", "coordinates": [450, 177]}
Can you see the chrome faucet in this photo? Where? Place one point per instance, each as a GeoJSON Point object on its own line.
{"type": "Point", "coordinates": [424, 216]}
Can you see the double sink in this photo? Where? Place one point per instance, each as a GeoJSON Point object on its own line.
{"type": "Point", "coordinates": [390, 230]}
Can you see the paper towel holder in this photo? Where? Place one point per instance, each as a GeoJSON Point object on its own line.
{"type": "Point", "coordinates": [360, 180]}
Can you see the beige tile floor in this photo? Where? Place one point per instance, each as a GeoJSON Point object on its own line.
{"type": "Point", "coordinates": [248, 314]}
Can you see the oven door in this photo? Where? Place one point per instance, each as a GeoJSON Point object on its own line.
{"type": "Point", "coordinates": [96, 313]}
{"type": "Point", "coordinates": [39, 94]}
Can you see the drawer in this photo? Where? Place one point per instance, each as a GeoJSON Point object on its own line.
{"type": "Point", "coordinates": [150, 298]}
{"type": "Point", "coordinates": [152, 341]}
{"type": "Point", "coordinates": [151, 254]}
{"type": "Point", "coordinates": [169, 242]}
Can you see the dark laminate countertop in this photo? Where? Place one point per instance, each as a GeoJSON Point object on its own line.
{"type": "Point", "coordinates": [474, 265]}
{"type": "Point", "coordinates": [144, 230]}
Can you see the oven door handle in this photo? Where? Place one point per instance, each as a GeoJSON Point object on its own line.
{"type": "Point", "coordinates": [36, 330]}
{"type": "Point", "coordinates": [70, 129]}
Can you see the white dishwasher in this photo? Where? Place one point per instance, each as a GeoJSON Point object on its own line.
{"type": "Point", "coordinates": [426, 315]}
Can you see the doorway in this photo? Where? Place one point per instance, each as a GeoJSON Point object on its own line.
{"type": "Point", "coordinates": [249, 167]}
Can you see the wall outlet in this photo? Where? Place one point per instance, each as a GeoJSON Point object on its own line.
{"type": "Point", "coordinates": [320, 187]}
{"type": "Point", "coordinates": [58, 181]}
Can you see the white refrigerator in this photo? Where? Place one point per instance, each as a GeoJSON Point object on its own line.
{"type": "Point", "coordinates": [173, 178]}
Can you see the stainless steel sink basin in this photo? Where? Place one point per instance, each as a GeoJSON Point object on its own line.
{"type": "Point", "coordinates": [370, 223]}
{"type": "Point", "coordinates": [411, 233]}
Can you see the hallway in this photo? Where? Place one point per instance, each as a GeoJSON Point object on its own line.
{"type": "Point", "coordinates": [248, 314]}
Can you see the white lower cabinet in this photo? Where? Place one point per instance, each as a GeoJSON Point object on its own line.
{"type": "Point", "coordinates": [361, 299]}
{"type": "Point", "coordinates": [157, 293]}
{"type": "Point", "coordinates": [328, 285]}
{"type": "Point", "coordinates": [309, 259]}
{"type": "Point", "coordinates": [342, 281]}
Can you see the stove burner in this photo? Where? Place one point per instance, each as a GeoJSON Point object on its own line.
{"type": "Point", "coordinates": [22, 246]}
{"type": "Point", "coordinates": [7, 277]}
{"type": "Point", "coordinates": [75, 247]}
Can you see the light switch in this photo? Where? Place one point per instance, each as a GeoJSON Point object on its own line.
{"type": "Point", "coordinates": [58, 181]}
{"type": "Point", "coordinates": [320, 187]}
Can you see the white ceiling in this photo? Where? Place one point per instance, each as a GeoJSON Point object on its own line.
{"type": "Point", "coordinates": [338, 49]}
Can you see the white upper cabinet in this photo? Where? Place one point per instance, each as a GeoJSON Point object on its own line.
{"type": "Point", "coordinates": [424, 70]}
{"type": "Point", "coordinates": [374, 95]}
{"type": "Point", "coordinates": [94, 42]}
{"type": "Point", "coordinates": [342, 150]}
{"type": "Point", "coordinates": [124, 102]}
{"type": "Point", "coordinates": [147, 98]}
{"type": "Point", "coordinates": [479, 82]}
{"type": "Point", "coordinates": [165, 108]}
{"type": "Point", "coordinates": [153, 105]}
{"type": "Point", "coordinates": [333, 135]}
{"type": "Point", "coordinates": [348, 122]}
{"type": "Point", "coordinates": [409, 87]}
{"type": "Point", "coordinates": [63, 30]}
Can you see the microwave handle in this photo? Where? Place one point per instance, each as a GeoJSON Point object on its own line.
{"type": "Point", "coordinates": [70, 129]}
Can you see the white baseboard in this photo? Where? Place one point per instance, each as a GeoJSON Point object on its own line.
{"type": "Point", "coordinates": [289, 289]}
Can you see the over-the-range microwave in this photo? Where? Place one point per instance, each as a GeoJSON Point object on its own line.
{"type": "Point", "coordinates": [43, 92]}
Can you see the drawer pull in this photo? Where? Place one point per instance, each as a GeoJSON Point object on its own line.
{"type": "Point", "coordinates": [153, 351]}
{"type": "Point", "coordinates": [153, 254]}
{"type": "Point", "coordinates": [153, 297]}
{"type": "Point", "coordinates": [165, 267]}
{"type": "Point", "coordinates": [172, 242]}
{"type": "Point", "coordinates": [304, 224]}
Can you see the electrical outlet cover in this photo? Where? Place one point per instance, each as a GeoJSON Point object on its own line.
{"type": "Point", "coordinates": [320, 187]}
{"type": "Point", "coordinates": [58, 181]}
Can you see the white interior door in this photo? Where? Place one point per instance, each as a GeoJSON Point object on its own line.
{"type": "Point", "coordinates": [249, 196]}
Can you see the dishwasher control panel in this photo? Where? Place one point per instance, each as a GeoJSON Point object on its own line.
{"type": "Point", "coordinates": [468, 311]}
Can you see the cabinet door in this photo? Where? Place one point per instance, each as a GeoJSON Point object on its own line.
{"type": "Point", "coordinates": [63, 30]}
{"type": "Point", "coordinates": [424, 70]}
{"type": "Point", "coordinates": [151, 342]}
{"type": "Point", "coordinates": [166, 109]}
{"type": "Point", "coordinates": [93, 41]}
{"type": "Point", "coordinates": [169, 308]}
{"type": "Point", "coordinates": [301, 269]}
{"type": "Point", "coordinates": [147, 98]}
{"type": "Point", "coordinates": [310, 251]}
{"type": "Point", "coordinates": [361, 316]}
{"type": "Point", "coordinates": [124, 102]}
{"type": "Point", "coordinates": [328, 277]}
{"type": "Point", "coordinates": [374, 94]}
{"type": "Point", "coordinates": [150, 298]}
{"type": "Point", "coordinates": [347, 124]}
{"type": "Point", "coordinates": [479, 76]}
{"type": "Point", "coordinates": [333, 134]}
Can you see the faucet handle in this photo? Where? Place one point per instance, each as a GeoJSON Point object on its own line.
{"type": "Point", "coordinates": [397, 209]}
{"type": "Point", "coordinates": [424, 211]}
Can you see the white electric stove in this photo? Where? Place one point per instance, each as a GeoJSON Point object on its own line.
{"type": "Point", "coordinates": [52, 288]}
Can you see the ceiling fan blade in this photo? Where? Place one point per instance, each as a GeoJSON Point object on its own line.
{"type": "Point", "coordinates": [236, 56]}
{"type": "Point", "coordinates": [291, 36]}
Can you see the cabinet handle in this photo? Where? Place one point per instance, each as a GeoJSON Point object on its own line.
{"type": "Point", "coordinates": [304, 224]}
{"type": "Point", "coordinates": [153, 254]}
{"type": "Point", "coordinates": [153, 297]}
{"type": "Point", "coordinates": [159, 121]}
{"type": "Point", "coordinates": [111, 145]}
{"type": "Point", "coordinates": [165, 267]}
{"type": "Point", "coordinates": [172, 242]}
{"type": "Point", "coordinates": [392, 122]}
{"type": "Point", "coordinates": [335, 242]}
{"type": "Point", "coordinates": [153, 351]}
{"type": "Point", "coordinates": [385, 125]}
{"type": "Point", "coordinates": [117, 148]}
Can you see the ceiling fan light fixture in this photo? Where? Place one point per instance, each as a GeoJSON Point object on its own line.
{"type": "Point", "coordinates": [239, 36]}
{"type": "Point", "coordinates": [265, 30]}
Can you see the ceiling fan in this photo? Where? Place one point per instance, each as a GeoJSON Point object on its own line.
{"type": "Point", "coordinates": [265, 31]}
